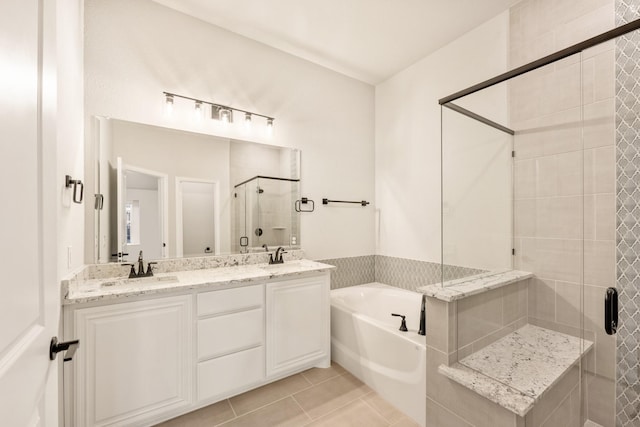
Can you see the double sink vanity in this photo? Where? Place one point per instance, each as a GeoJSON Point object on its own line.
{"type": "Point", "coordinates": [199, 331]}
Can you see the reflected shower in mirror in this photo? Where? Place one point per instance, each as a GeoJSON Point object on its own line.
{"type": "Point", "coordinates": [173, 193]}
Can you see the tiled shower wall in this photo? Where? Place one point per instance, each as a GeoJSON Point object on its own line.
{"type": "Point", "coordinates": [628, 216]}
{"type": "Point", "coordinates": [563, 115]}
{"type": "Point", "coordinates": [399, 272]}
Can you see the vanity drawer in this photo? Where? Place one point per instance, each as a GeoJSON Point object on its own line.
{"type": "Point", "coordinates": [225, 375]}
{"type": "Point", "coordinates": [229, 300]}
{"type": "Point", "coordinates": [231, 332]}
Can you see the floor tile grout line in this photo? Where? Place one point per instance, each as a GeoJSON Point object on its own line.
{"type": "Point", "coordinates": [303, 411]}
{"type": "Point", "coordinates": [257, 409]}
{"type": "Point", "coordinates": [374, 409]}
{"type": "Point", "coordinates": [337, 409]}
{"type": "Point", "coordinates": [235, 415]}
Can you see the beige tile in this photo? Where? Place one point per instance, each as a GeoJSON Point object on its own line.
{"type": "Point", "coordinates": [605, 76]}
{"type": "Point", "coordinates": [570, 173]}
{"type": "Point", "coordinates": [562, 132]}
{"type": "Point", "coordinates": [356, 414]}
{"type": "Point", "coordinates": [605, 217]}
{"type": "Point", "coordinates": [524, 174]}
{"type": "Point", "coordinates": [476, 410]}
{"type": "Point", "coordinates": [558, 259]}
{"type": "Point", "coordinates": [541, 299]}
{"type": "Point", "coordinates": [205, 417]}
{"type": "Point", "coordinates": [559, 217]}
{"type": "Point", "coordinates": [568, 302]}
{"type": "Point", "coordinates": [439, 332]}
{"type": "Point", "coordinates": [437, 416]}
{"type": "Point", "coordinates": [561, 416]}
{"type": "Point", "coordinates": [594, 307]}
{"type": "Point", "coordinates": [599, 170]}
{"type": "Point", "coordinates": [330, 395]}
{"type": "Point", "coordinates": [599, 124]}
{"type": "Point", "coordinates": [546, 176]}
{"type": "Point", "coordinates": [478, 316]}
{"type": "Point", "coordinates": [405, 422]}
{"type": "Point", "coordinates": [605, 354]}
{"type": "Point", "coordinates": [588, 80]}
{"type": "Point", "coordinates": [317, 375]}
{"type": "Point", "coordinates": [514, 302]}
{"type": "Point", "coordinates": [551, 400]}
{"type": "Point", "coordinates": [269, 393]}
{"type": "Point", "coordinates": [599, 262]}
{"type": "Point", "coordinates": [601, 401]}
{"type": "Point", "coordinates": [384, 408]}
{"type": "Point", "coordinates": [525, 218]}
{"type": "Point", "coordinates": [590, 217]}
{"type": "Point", "coordinates": [285, 412]}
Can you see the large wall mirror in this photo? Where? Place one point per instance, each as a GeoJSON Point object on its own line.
{"type": "Point", "coordinates": [172, 193]}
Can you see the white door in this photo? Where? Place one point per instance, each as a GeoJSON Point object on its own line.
{"type": "Point", "coordinates": [29, 302]}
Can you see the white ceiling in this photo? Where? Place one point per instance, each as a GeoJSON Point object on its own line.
{"type": "Point", "coordinates": [369, 40]}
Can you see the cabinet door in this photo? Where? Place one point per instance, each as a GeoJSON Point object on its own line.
{"type": "Point", "coordinates": [135, 362]}
{"type": "Point", "coordinates": [298, 331]}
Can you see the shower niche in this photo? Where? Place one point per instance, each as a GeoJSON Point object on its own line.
{"type": "Point", "coordinates": [264, 214]}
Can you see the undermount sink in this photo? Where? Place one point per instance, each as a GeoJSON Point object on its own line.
{"type": "Point", "coordinates": [141, 281]}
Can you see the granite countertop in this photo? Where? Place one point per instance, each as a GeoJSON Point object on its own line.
{"type": "Point", "coordinates": [461, 288]}
{"type": "Point", "coordinates": [83, 291]}
{"type": "Point", "coordinates": [516, 371]}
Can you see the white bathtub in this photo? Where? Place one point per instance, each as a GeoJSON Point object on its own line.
{"type": "Point", "coordinates": [366, 341]}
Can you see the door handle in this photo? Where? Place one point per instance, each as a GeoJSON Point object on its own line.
{"type": "Point", "coordinates": [611, 311]}
{"type": "Point", "coordinates": [69, 346]}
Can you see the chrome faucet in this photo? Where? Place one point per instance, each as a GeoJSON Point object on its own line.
{"type": "Point", "coordinates": [278, 257]}
{"type": "Point", "coordinates": [266, 248]}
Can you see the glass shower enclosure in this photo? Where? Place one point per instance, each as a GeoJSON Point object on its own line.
{"type": "Point", "coordinates": [528, 183]}
{"type": "Point", "coordinates": [264, 214]}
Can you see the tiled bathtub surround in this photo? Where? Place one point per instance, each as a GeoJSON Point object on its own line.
{"type": "Point", "coordinates": [351, 271]}
{"type": "Point", "coordinates": [399, 272]}
{"type": "Point", "coordinates": [411, 274]}
{"type": "Point", "coordinates": [628, 217]}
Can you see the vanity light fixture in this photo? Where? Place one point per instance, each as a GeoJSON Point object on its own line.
{"type": "Point", "coordinates": [198, 110]}
{"type": "Point", "coordinates": [168, 103]}
{"type": "Point", "coordinates": [218, 112]}
{"type": "Point", "coordinates": [226, 115]}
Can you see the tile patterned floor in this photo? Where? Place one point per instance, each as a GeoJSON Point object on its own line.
{"type": "Point", "coordinates": [317, 397]}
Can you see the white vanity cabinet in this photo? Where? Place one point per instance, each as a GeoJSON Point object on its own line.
{"type": "Point", "coordinates": [134, 362]}
{"type": "Point", "coordinates": [298, 328]}
{"type": "Point", "coordinates": [230, 341]}
{"type": "Point", "coordinates": [146, 361]}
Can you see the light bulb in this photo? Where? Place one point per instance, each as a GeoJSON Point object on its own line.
{"type": "Point", "coordinates": [269, 126]}
{"type": "Point", "coordinates": [247, 121]}
{"type": "Point", "coordinates": [168, 104]}
{"type": "Point", "coordinates": [198, 110]}
{"type": "Point", "coordinates": [225, 116]}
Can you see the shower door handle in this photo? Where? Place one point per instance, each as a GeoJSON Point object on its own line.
{"type": "Point", "coordinates": [611, 311]}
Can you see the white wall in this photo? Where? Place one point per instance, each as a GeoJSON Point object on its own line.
{"type": "Point", "coordinates": [149, 222]}
{"type": "Point", "coordinates": [407, 147]}
{"type": "Point", "coordinates": [136, 49]}
{"type": "Point", "coordinates": [198, 208]}
{"type": "Point", "coordinates": [179, 155]}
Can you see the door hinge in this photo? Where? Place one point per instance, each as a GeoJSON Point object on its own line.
{"type": "Point", "coordinates": [513, 153]}
{"type": "Point", "coordinates": [513, 251]}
